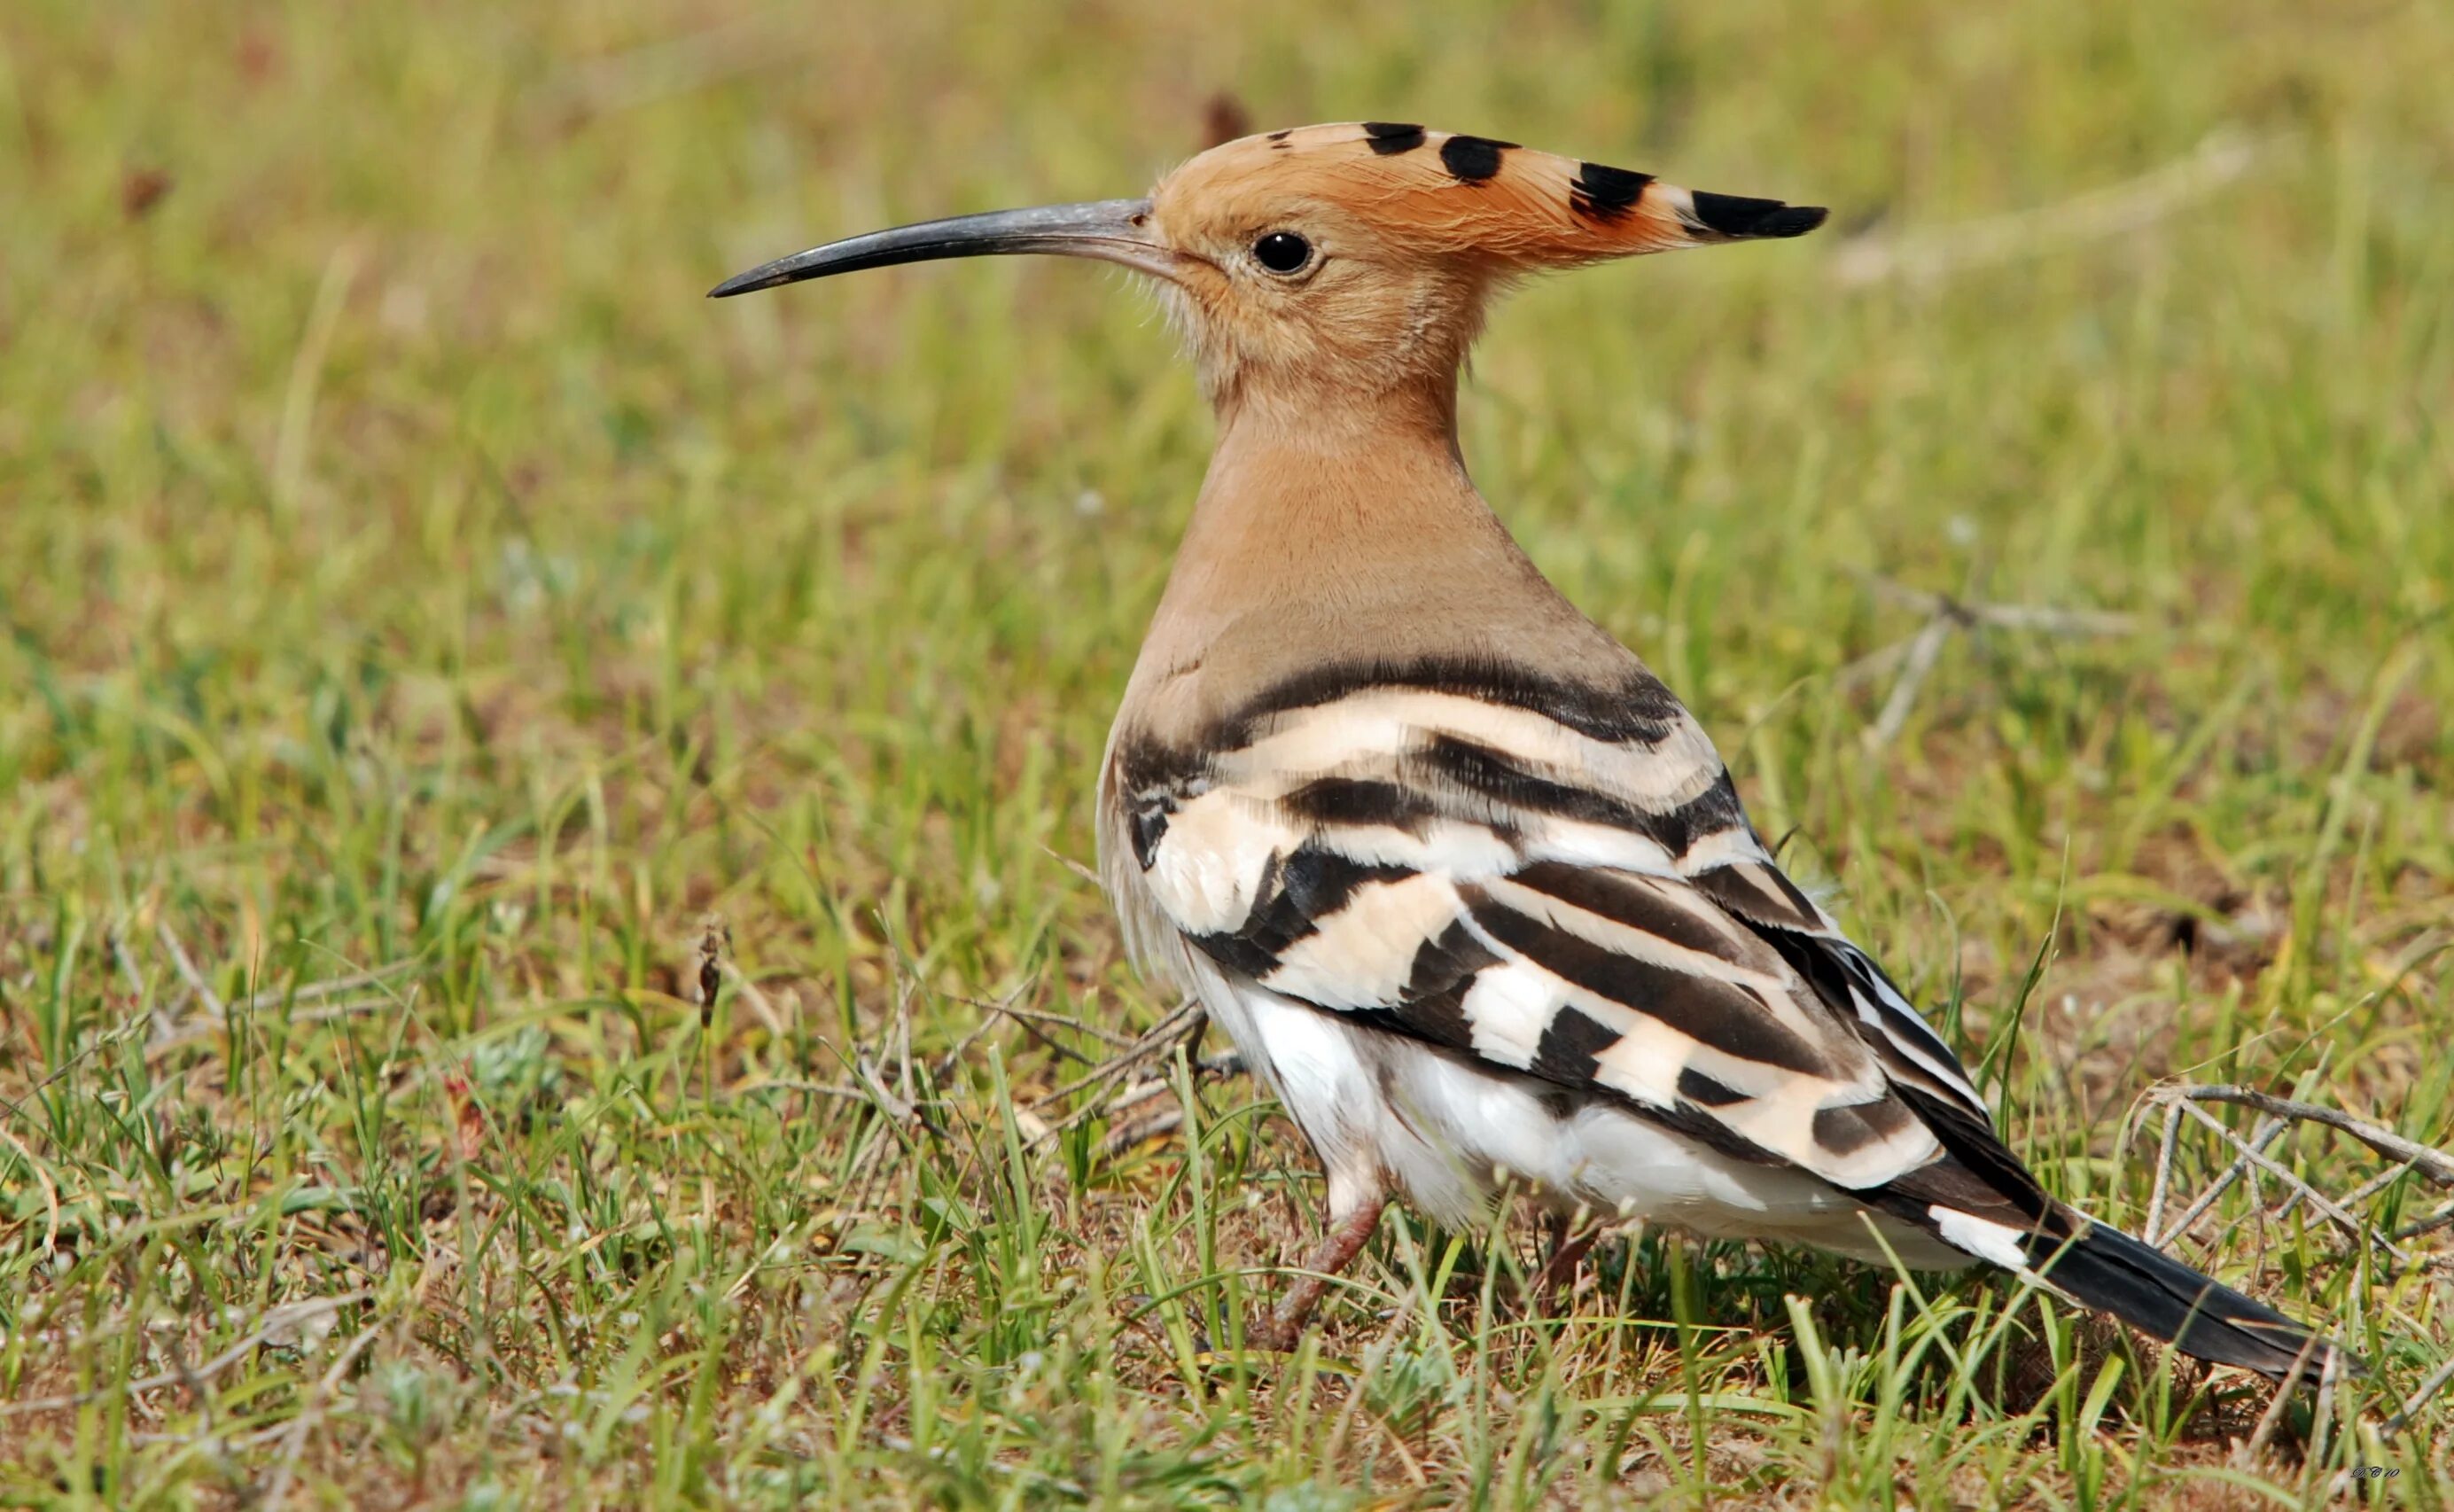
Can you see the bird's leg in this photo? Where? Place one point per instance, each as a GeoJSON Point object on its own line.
{"type": "Point", "coordinates": [1350, 1229]}
{"type": "Point", "coordinates": [1568, 1246]}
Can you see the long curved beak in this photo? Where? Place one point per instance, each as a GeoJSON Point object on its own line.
{"type": "Point", "coordinates": [1117, 231]}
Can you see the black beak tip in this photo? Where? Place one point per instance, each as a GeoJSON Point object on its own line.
{"type": "Point", "coordinates": [751, 282]}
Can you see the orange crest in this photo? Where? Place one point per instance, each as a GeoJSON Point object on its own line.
{"type": "Point", "coordinates": [1448, 193]}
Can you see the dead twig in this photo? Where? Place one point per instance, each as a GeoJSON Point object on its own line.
{"type": "Point", "coordinates": [161, 1049]}
{"type": "Point", "coordinates": [680, 65]}
{"type": "Point", "coordinates": [2442, 1218]}
{"type": "Point", "coordinates": [1032, 1024]}
{"type": "Point", "coordinates": [1081, 1026]}
{"type": "Point", "coordinates": [289, 1318]}
{"type": "Point", "coordinates": [188, 972]}
{"type": "Point", "coordinates": [1180, 1024]}
{"type": "Point", "coordinates": [127, 964]}
{"type": "Point", "coordinates": [2116, 209]}
{"type": "Point", "coordinates": [2273, 1417]}
{"type": "Point", "coordinates": [1161, 1037]}
{"type": "Point", "coordinates": [752, 994]}
{"type": "Point", "coordinates": [2356, 1196]}
{"type": "Point", "coordinates": [819, 1089]}
{"type": "Point", "coordinates": [2165, 1150]}
{"type": "Point", "coordinates": [1917, 655]}
{"type": "Point", "coordinates": [1155, 1125]}
{"type": "Point", "coordinates": [316, 992]}
{"type": "Point", "coordinates": [1926, 647]}
{"type": "Point", "coordinates": [2433, 1163]}
{"type": "Point", "coordinates": [312, 1411]}
{"type": "Point", "coordinates": [2418, 1398]}
{"type": "Point", "coordinates": [2039, 618]}
{"type": "Point", "coordinates": [2360, 1233]}
{"type": "Point", "coordinates": [2267, 1133]}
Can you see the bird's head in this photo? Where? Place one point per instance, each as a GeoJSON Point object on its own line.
{"type": "Point", "coordinates": [1327, 262]}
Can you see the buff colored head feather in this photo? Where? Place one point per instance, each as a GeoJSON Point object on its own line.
{"type": "Point", "coordinates": [1334, 260]}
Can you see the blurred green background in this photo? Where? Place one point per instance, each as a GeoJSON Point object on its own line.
{"type": "Point", "coordinates": [412, 585]}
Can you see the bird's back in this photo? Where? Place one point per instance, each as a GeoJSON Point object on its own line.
{"type": "Point", "coordinates": [1475, 894]}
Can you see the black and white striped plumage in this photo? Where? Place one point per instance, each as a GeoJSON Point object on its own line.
{"type": "Point", "coordinates": [1465, 883]}
{"type": "Point", "coordinates": [1473, 923]}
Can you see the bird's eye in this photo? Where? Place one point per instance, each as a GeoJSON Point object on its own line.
{"type": "Point", "coordinates": [1282, 251]}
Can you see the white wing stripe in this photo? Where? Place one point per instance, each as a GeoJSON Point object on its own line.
{"type": "Point", "coordinates": [1596, 914]}
{"type": "Point", "coordinates": [1378, 724]}
{"type": "Point", "coordinates": [1361, 956]}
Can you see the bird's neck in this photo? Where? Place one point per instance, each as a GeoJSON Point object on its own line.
{"type": "Point", "coordinates": [1334, 502]}
{"type": "Point", "coordinates": [1350, 527]}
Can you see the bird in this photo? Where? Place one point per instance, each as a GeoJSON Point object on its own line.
{"type": "Point", "coordinates": [1471, 891]}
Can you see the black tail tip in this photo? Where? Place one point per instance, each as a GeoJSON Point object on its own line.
{"type": "Point", "coordinates": [2151, 1291]}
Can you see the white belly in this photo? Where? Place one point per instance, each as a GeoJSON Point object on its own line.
{"type": "Point", "coordinates": [1452, 1136]}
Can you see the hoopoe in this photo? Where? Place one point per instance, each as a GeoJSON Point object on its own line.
{"type": "Point", "coordinates": [1468, 887]}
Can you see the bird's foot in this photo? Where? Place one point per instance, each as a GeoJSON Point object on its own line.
{"type": "Point", "coordinates": [1556, 1281]}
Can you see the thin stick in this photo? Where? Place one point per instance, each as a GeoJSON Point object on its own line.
{"type": "Point", "coordinates": [2266, 1136]}
{"type": "Point", "coordinates": [1161, 1038]}
{"type": "Point", "coordinates": [2359, 1232]}
{"type": "Point", "coordinates": [759, 1000]}
{"type": "Point", "coordinates": [288, 1315]}
{"type": "Point", "coordinates": [2440, 1219]}
{"type": "Point", "coordinates": [1923, 652]}
{"type": "Point", "coordinates": [821, 1089]}
{"type": "Point", "coordinates": [1918, 654]}
{"type": "Point", "coordinates": [187, 969]}
{"type": "Point", "coordinates": [2273, 1416]}
{"type": "Point", "coordinates": [2411, 1404]}
{"type": "Point", "coordinates": [1013, 1010]}
{"type": "Point", "coordinates": [2114, 210]}
{"type": "Point", "coordinates": [2435, 1165]}
{"type": "Point", "coordinates": [127, 964]}
{"type": "Point", "coordinates": [313, 1410]}
{"type": "Point", "coordinates": [2005, 617]}
{"type": "Point", "coordinates": [314, 990]}
{"type": "Point", "coordinates": [2356, 1196]}
{"type": "Point", "coordinates": [2164, 1175]}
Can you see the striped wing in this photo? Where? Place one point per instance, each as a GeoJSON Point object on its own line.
{"type": "Point", "coordinates": [1555, 881]}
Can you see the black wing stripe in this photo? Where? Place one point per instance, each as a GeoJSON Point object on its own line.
{"type": "Point", "coordinates": [1912, 1033]}
{"type": "Point", "coordinates": [1441, 1023]}
{"type": "Point", "coordinates": [1705, 1092]}
{"type": "Point", "coordinates": [1850, 1127]}
{"type": "Point", "coordinates": [1715, 810]}
{"type": "Point", "coordinates": [1448, 962]}
{"type": "Point", "coordinates": [1717, 1015]}
{"type": "Point", "coordinates": [1297, 895]}
{"type": "Point", "coordinates": [1572, 1045]}
{"type": "Point", "coordinates": [1915, 1057]}
{"type": "Point", "coordinates": [1634, 708]}
{"type": "Point", "coordinates": [1500, 777]}
{"type": "Point", "coordinates": [1759, 893]}
{"type": "Point", "coordinates": [1439, 1018]}
{"type": "Point", "coordinates": [1640, 904]}
{"type": "Point", "coordinates": [1551, 876]}
{"type": "Point", "coordinates": [1361, 802]}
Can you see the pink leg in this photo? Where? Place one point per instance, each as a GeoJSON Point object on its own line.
{"type": "Point", "coordinates": [1346, 1237]}
{"type": "Point", "coordinates": [1557, 1276]}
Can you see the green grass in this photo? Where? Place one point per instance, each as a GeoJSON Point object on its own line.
{"type": "Point", "coordinates": [410, 583]}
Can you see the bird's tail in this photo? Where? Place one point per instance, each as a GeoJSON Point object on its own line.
{"type": "Point", "coordinates": [2106, 1269]}
{"type": "Point", "coordinates": [1983, 1202]}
